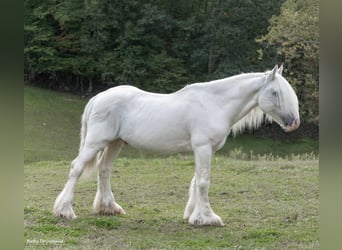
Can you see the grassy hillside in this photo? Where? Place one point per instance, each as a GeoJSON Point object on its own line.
{"type": "Point", "coordinates": [52, 125]}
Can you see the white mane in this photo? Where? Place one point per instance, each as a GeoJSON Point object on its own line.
{"type": "Point", "coordinates": [252, 120]}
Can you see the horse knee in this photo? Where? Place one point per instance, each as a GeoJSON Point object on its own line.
{"type": "Point", "coordinates": [202, 181]}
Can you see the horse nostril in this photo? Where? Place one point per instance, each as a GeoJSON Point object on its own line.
{"type": "Point", "coordinates": [296, 122]}
{"type": "Point", "coordinates": [290, 121]}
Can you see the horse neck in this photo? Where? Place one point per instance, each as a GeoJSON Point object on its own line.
{"type": "Point", "coordinates": [238, 95]}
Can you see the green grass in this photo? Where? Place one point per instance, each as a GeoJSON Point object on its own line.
{"type": "Point", "coordinates": [52, 124]}
{"type": "Point", "coordinates": [266, 201]}
{"type": "Point", "coordinates": [265, 204]}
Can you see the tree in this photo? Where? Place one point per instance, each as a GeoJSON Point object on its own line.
{"type": "Point", "coordinates": [39, 52]}
{"type": "Point", "coordinates": [295, 34]}
{"type": "Point", "coordinates": [142, 55]}
{"type": "Point", "coordinates": [82, 41]}
{"type": "Point", "coordinates": [158, 45]}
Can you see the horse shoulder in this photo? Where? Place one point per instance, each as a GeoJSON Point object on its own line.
{"type": "Point", "coordinates": [209, 124]}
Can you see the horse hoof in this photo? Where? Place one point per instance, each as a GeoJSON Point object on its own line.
{"type": "Point", "coordinates": [109, 209]}
{"type": "Point", "coordinates": [201, 220]}
{"type": "Point", "coordinates": [67, 213]}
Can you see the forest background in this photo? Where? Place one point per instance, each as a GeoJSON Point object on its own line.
{"type": "Point", "coordinates": [86, 46]}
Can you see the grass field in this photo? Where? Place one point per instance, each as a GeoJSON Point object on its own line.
{"type": "Point", "coordinates": [267, 201]}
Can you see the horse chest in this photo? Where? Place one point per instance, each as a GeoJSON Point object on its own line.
{"type": "Point", "coordinates": [213, 130]}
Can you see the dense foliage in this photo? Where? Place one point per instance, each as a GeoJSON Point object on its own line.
{"type": "Point", "coordinates": [295, 33]}
{"type": "Point", "coordinates": [161, 45]}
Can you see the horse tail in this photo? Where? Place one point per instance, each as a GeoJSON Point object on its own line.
{"type": "Point", "coordinates": [84, 120]}
{"type": "Point", "coordinates": [90, 166]}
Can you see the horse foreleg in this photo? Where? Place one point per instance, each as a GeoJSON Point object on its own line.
{"type": "Point", "coordinates": [104, 202]}
{"type": "Point", "coordinates": [202, 213]}
{"type": "Point", "coordinates": [63, 203]}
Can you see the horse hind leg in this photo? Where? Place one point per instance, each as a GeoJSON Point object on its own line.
{"type": "Point", "coordinates": [63, 203]}
{"type": "Point", "coordinates": [104, 202]}
{"type": "Point", "coordinates": [191, 202]}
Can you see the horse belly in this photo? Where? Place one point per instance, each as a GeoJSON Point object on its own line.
{"type": "Point", "coordinates": [169, 147]}
{"type": "Point", "coordinates": [163, 136]}
{"type": "Point", "coordinates": [157, 142]}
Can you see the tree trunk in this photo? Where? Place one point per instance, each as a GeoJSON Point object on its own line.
{"type": "Point", "coordinates": [90, 88]}
{"type": "Point", "coordinates": [81, 83]}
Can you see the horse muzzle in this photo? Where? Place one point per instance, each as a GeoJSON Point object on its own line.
{"type": "Point", "coordinates": [291, 124]}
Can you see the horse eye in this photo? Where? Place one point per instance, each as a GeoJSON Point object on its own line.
{"type": "Point", "coordinates": [275, 93]}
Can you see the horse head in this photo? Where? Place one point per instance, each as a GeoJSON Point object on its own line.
{"type": "Point", "coordinates": [278, 100]}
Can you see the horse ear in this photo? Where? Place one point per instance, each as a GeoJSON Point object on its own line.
{"type": "Point", "coordinates": [280, 70]}
{"type": "Point", "coordinates": [271, 74]}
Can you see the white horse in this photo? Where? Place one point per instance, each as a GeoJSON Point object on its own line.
{"type": "Point", "coordinates": [197, 118]}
